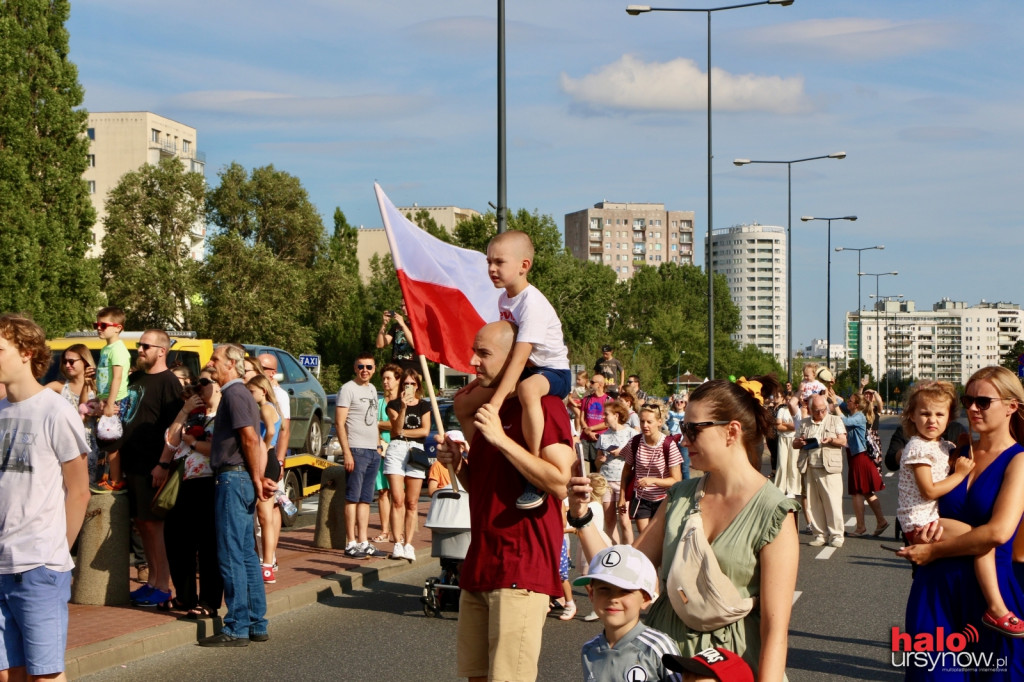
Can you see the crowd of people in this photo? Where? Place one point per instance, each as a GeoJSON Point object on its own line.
{"type": "Point", "coordinates": [688, 575]}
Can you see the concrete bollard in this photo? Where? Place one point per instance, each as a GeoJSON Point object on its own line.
{"type": "Point", "coordinates": [101, 567]}
{"type": "Point", "coordinates": [330, 513]}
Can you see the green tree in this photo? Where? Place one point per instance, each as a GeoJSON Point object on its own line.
{"type": "Point", "coordinates": [429, 225]}
{"type": "Point", "coordinates": [337, 306]}
{"type": "Point", "coordinates": [344, 244]}
{"type": "Point", "coordinates": [752, 361]}
{"type": "Point", "coordinates": [476, 232]}
{"type": "Point", "coordinates": [147, 267]}
{"type": "Point", "coordinates": [1009, 358]}
{"type": "Point", "coordinates": [45, 213]}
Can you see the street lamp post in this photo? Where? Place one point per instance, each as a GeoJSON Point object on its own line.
{"type": "Point", "coordinates": [634, 10]}
{"type": "Point", "coordinates": [828, 285]}
{"type": "Point", "coordinates": [860, 337]}
{"type": "Point", "coordinates": [502, 209]}
{"type": "Point", "coordinates": [878, 344]}
{"type": "Point", "coordinates": [886, 299]}
{"type": "Point", "coordinates": [789, 245]}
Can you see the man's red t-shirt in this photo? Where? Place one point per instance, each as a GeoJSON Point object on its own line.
{"type": "Point", "coordinates": [510, 547]}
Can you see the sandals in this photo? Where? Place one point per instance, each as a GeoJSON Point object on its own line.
{"type": "Point", "coordinates": [383, 537]}
{"type": "Point", "coordinates": [199, 612]}
{"type": "Point", "coordinates": [881, 529]}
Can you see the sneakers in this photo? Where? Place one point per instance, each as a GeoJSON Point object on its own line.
{"type": "Point", "coordinates": [590, 617]}
{"type": "Point", "coordinates": [269, 574]}
{"type": "Point", "coordinates": [531, 498]}
{"type": "Point", "coordinates": [104, 485]}
{"type": "Point", "coordinates": [569, 611]}
{"type": "Point", "coordinates": [355, 552]}
{"type": "Point", "coordinates": [837, 541]}
{"type": "Point", "coordinates": [818, 541]}
{"type": "Point", "coordinates": [368, 549]}
{"type": "Point", "coordinates": [398, 552]}
{"type": "Point", "coordinates": [141, 592]}
{"type": "Point", "coordinates": [142, 573]}
{"type": "Point", "coordinates": [1009, 625]}
{"type": "Point", "coordinates": [154, 598]}
{"type": "Point", "coordinates": [410, 552]}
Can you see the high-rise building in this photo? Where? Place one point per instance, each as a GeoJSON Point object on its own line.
{"type": "Point", "coordinates": [624, 236]}
{"type": "Point", "coordinates": [948, 343]}
{"type": "Point", "coordinates": [124, 141]}
{"type": "Point", "coordinates": [753, 260]}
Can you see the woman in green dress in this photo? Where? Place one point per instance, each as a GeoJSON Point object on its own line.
{"type": "Point", "coordinates": [749, 524]}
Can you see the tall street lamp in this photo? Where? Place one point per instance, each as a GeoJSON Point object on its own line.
{"type": "Point", "coordinates": [878, 344]}
{"type": "Point", "coordinates": [634, 10]}
{"type": "Point", "coordinates": [502, 208]}
{"type": "Point", "coordinates": [859, 320]}
{"type": "Point", "coordinates": [789, 245]}
{"type": "Point", "coordinates": [828, 285]}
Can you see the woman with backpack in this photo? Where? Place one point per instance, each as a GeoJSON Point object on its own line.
{"type": "Point", "coordinates": [653, 465]}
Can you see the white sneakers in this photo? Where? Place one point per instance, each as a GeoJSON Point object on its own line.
{"type": "Point", "coordinates": [818, 541]}
{"type": "Point", "coordinates": [410, 552]}
{"type": "Point", "coordinates": [406, 551]}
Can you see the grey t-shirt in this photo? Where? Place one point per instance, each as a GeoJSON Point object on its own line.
{"type": "Point", "coordinates": [637, 656]}
{"type": "Point", "coordinates": [361, 422]}
{"type": "Point", "coordinates": [237, 410]}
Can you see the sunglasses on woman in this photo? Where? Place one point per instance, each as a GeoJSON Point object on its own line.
{"type": "Point", "coordinates": [70, 362]}
{"type": "Point", "coordinates": [692, 429]}
{"type": "Point", "coordinates": [983, 402]}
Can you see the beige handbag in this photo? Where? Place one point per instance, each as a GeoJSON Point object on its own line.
{"type": "Point", "coordinates": [702, 596]}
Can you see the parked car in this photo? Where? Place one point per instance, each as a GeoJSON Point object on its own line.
{"type": "Point", "coordinates": [307, 400]}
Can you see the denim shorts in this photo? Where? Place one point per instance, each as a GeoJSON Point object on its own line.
{"type": "Point", "coordinates": [359, 482]}
{"type": "Point", "coordinates": [559, 380]}
{"type": "Point", "coordinates": [396, 459]}
{"type": "Point", "coordinates": [34, 620]}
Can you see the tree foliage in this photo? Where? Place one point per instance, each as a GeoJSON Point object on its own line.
{"type": "Point", "coordinates": [45, 213]}
{"type": "Point", "coordinates": [147, 267]}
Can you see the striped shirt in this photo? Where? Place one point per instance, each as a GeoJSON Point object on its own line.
{"type": "Point", "coordinates": [651, 463]}
{"type": "Point", "coordinates": [637, 656]}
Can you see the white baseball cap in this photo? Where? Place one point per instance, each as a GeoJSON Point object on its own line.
{"type": "Point", "coordinates": [625, 567]}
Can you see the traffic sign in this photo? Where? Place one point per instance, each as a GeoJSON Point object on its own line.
{"type": "Point", "coordinates": [312, 363]}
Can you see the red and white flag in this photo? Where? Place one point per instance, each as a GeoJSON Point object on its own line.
{"type": "Point", "coordinates": [446, 289]}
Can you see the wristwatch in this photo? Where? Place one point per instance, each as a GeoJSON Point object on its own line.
{"type": "Point", "coordinates": [164, 465]}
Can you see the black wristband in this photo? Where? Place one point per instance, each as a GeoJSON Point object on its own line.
{"type": "Point", "coordinates": [164, 465]}
{"type": "Point", "coordinates": [581, 522]}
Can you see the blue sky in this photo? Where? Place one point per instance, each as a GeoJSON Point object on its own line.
{"type": "Point", "coordinates": [925, 97]}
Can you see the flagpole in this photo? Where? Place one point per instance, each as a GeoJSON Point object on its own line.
{"type": "Point", "coordinates": [436, 411]}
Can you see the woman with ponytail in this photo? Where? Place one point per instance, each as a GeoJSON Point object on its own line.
{"type": "Point", "coordinates": [748, 522]}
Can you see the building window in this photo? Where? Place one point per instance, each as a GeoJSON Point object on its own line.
{"type": "Point", "coordinates": [154, 135]}
{"type": "Point", "coordinates": [92, 187]}
{"type": "Point", "coordinates": [91, 160]}
{"type": "Point", "coordinates": [673, 246]}
{"type": "Point", "coordinates": [186, 146]}
{"type": "Point", "coordinates": [607, 233]}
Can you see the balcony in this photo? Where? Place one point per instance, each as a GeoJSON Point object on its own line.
{"type": "Point", "coordinates": [596, 247]}
{"type": "Point", "coordinates": [167, 147]}
{"type": "Point", "coordinates": [639, 250]}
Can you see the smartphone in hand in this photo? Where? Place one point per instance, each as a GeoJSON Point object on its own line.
{"type": "Point", "coordinates": [811, 444]}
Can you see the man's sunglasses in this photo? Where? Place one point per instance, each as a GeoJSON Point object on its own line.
{"type": "Point", "coordinates": [147, 346]}
{"type": "Point", "coordinates": [983, 402]}
{"type": "Point", "coordinates": [102, 326]}
{"type": "Point", "coordinates": [268, 369]}
{"type": "Point", "coordinates": [369, 367]}
{"type": "Point", "coordinates": [692, 429]}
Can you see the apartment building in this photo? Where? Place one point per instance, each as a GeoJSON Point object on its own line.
{"type": "Point", "coordinates": [124, 141]}
{"type": "Point", "coordinates": [624, 236]}
{"type": "Point", "coordinates": [949, 342]}
{"type": "Point", "coordinates": [753, 260]}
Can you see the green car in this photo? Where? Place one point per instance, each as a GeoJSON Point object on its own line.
{"type": "Point", "coordinates": [306, 397]}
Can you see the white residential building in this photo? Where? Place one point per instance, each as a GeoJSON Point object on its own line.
{"type": "Point", "coordinates": [753, 260]}
{"type": "Point", "coordinates": [837, 353]}
{"type": "Point", "coordinates": [124, 141]}
{"type": "Point", "coordinates": [949, 342]}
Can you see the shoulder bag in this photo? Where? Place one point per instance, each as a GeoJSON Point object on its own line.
{"type": "Point", "coordinates": [701, 595]}
{"type": "Point", "coordinates": [167, 496]}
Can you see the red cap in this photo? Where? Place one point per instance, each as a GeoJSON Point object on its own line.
{"type": "Point", "coordinates": [721, 664]}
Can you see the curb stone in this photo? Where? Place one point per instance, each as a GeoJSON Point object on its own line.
{"type": "Point", "coordinates": [99, 656]}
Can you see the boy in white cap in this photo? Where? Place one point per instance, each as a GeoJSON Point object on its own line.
{"type": "Point", "coordinates": [621, 583]}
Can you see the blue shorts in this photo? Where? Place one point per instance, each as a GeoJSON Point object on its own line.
{"type": "Point", "coordinates": [34, 620]}
{"type": "Point", "coordinates": [559, 380]}
{"type": "Point", "coordinates": [359, 482]}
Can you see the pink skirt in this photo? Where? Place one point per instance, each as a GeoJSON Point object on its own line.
{"type": "Point", "coordinates": [863, 477]}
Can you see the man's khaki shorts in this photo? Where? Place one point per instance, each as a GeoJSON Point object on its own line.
{"type": "Point", "coordinates": [500, 634]}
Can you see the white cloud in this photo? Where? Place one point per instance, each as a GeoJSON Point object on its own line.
{"type": "Point", "coordinates": [276, 104]}
{"type": "Point", "coordinates": [862, 38]}
{"type": "Point", "coordinates": [631, 84]}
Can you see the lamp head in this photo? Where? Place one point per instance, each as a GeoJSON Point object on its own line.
{"type": "Point", "coordinates": [741, 162]}
{"type": "Point", "coordinates": [784, 3]}
{"type": "Point", "coordinates": [837, 155]}
{"type": "Point", "coordinates": [880, 247]}
{"type": "Point", "coordinates": [839, 248]}
{"type": "Point", "coordinates": [634, 10]}
{"type": "Point", "coordinates": [851, 218]}
{"type": "Point", "coordinates": [805, 218]}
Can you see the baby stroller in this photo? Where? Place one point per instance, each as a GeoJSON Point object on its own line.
{"type": "Point", "coordinates": [448, 519]}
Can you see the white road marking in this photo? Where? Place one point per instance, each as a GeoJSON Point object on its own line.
{"type": "Point", "coordinates": [851, 522]}
{"type": "Point", "coordinates": [826, 553]}
{"type": "Point", "coordinates": [890, 474]}
{"type": "Point", "coordinates": [796, 595]}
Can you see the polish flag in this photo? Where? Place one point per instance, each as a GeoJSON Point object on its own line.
{"type": "Point", "coordinates": [447, 291]}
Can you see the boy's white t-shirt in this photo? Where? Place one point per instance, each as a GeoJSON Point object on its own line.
{"type": "Point", "coordinates": [37, 436]}
{"type": "Point", "coordinates": [538, 324]}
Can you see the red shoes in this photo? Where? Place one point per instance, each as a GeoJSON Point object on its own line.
{"type": "Point", "coordinates": [1009, 625]}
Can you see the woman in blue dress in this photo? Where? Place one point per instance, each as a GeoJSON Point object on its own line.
{"type": "Point", "coordinates": [945, 593]}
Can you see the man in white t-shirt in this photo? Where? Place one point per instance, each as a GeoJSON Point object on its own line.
{"type": "Point", "coordinates": [355, 419]}
{"type": "Point", "coordinates": [44, 491]}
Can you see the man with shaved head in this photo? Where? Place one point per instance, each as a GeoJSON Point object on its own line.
{"type": "Point", "coordinates": [511, 567]}
{"type": "Point", "coordinates": [821, 439]}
